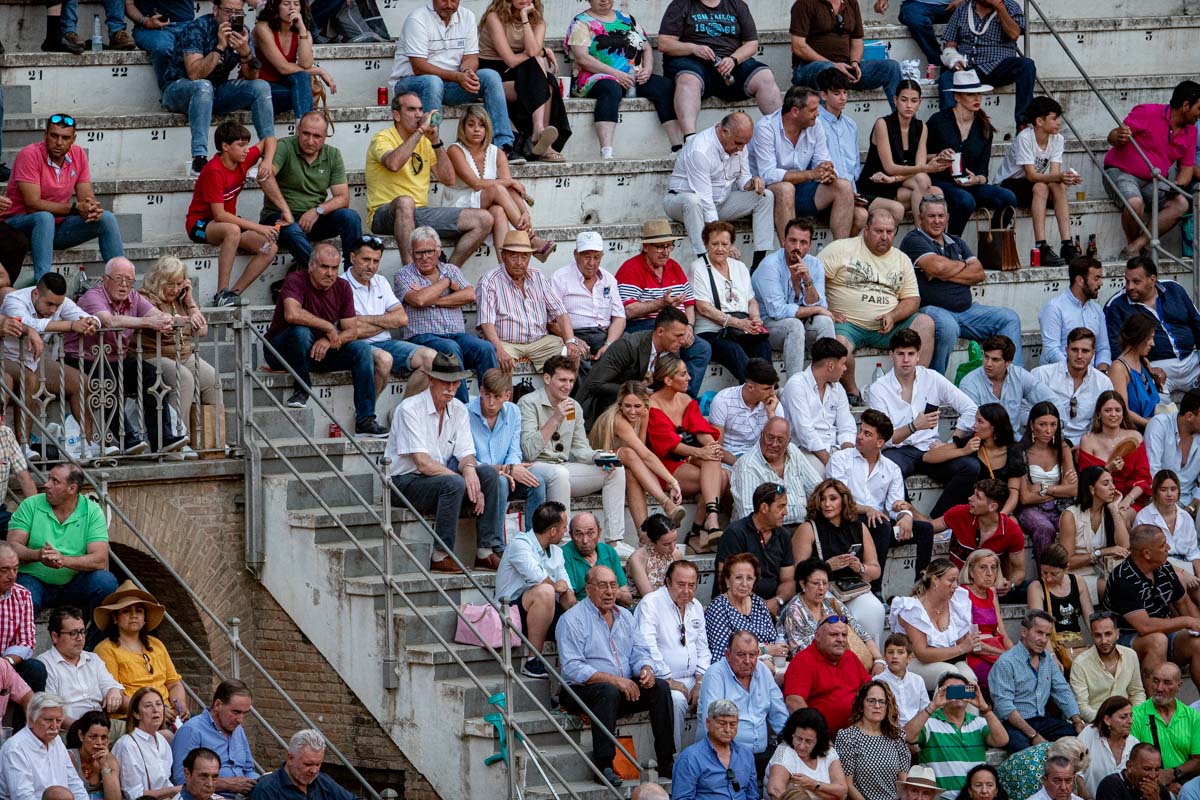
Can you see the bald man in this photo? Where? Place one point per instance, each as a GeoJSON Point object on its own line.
{"type": "Point", "coordinates": [585, 550]}
{"type": "Point", "coordinates": [643, 791]}
{"type": "Point", "coordinates": [712, 180]}
{"type": "Point", "coordinates": [1172, 724]}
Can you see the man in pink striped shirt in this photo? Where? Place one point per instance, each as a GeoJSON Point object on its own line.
{"type": "Point", "coordinates": [519, 312]}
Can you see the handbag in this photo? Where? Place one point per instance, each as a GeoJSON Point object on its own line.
{"type": "Point", "coordinates": [486, 620]}
{"type": "Point", "coordinates": [1061, 651]}
{"type": "Point", "coordinates": [747, 341]}
{"type": "Point", "coordinates": [853, 641]}
{"type": "Point", "coordinates": [998, 246]}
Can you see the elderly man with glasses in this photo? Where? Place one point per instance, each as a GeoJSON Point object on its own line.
{"type": "Point", "coordinates": [716, 766]}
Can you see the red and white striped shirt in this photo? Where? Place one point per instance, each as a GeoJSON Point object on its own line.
{"type": "Point", "coordinates": [520, 314]}
{"type": "Point", "coordinates": [17, 635]}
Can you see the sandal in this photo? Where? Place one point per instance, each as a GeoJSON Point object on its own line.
{"type": "Point", "coordinates": [553, 156]}
{"type": "Point", "coordinates": [677, 516]}
{"type": "Point", "coordinates": [710, 536]}
{"type": "Point", "coordinates": [701, 547]}
{"type": "Point", "coordinates": [544, 140]}
{"type": "Point", "coordinates": [545, 251]}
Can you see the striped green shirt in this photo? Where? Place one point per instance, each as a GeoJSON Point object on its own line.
{"type": "Point", "coordinates": [951, 751]}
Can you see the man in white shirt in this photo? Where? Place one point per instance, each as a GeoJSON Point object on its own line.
{"type": "Point", "coordinates": [877, 487]}
{"type": "Point", "coordinates": [76, 675]}
{"type": "Point", "coordinates": [1076, 308]}
{"type": "Point", "coordinates": [815, 404]}
{"type": "Point", "coordinates": [670, 623]}
{"type": "Point", "coordinates": [437, 58]}
{"type": "Point", "coordinates": [1001, 381]}
{"type": "Point", "coordinates": [912, 397]}
{"type": "Point", "coordinates": [774, 459]}
{"type": "Point", "coordinates": [34, 758]}
{"type": "Point", "coordinates": [742, 411]}
{"type": "Point", "coordinates": [1171, 444]}
{"type": "Point", "coordinates": [1076, 384]}
{"type": "Point", "coordinates": [790, 156]}
{"type": "Point", "coordinates": [43, 309]}
{"type": "Point", "coordinates": [593, 301]}
{"type": "Point", "coordinates": [432, 455]}
{"type": "Point", "coordinates": [712, 180]}
{"type": "Point", "coordinates": [790, 287]}
{"type": "Point", "coordinates": [534, 578]}
{"type": "Point", "coordinates": [379, 312]}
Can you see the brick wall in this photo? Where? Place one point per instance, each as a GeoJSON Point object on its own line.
{"type": "Point", "coordinates": [197, 527]}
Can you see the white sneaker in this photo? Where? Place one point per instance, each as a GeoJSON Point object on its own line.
{"type": "Point", "coordinates": [189, 453]}
{"type": "Point", "coordinates": [91, 452]}
{"type": "Point", "coordinates": [606, 153]}
{"type": "Point", "coordinates": [29, 453]}
{"type": "Point", "coordinates": [623, 549]}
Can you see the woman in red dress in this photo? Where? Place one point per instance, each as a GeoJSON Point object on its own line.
{"type": "Point", "coordinates": [1114, 444]}
{"type": "Point", "coordinates": [687, 445]}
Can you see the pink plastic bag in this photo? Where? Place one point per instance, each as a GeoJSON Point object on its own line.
{"type": "Point", "coordinates": [486, 620]}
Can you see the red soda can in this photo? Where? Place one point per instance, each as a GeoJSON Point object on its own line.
{"type": "Point", "coordinates": [381, 96]}
{"type": "Point", "coordinates": [1035, 257]}
{"type": "Point", "coordinates": [335, 432]}
{"type": "Point", "coordinates": [931, 72]}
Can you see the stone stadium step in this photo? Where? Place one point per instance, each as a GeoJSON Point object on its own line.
{"type": "Point", "coordinates": [474, 702]}
{"type": "Point", "coordinates": [1105, 47]}
{"type": "Point", "coordinates": [154, 136]}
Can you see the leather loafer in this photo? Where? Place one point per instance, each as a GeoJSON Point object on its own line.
{"type": "Point", "coordinates": [491, 563]}
{"type": "Point", "coordinates": [610, 777]}
{"type": "Point", "coordinates": [444, 565]}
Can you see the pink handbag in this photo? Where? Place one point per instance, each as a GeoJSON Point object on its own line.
{"type": "Point", "coordinates": [486, 620]}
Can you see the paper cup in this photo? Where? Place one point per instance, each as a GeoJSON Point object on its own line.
{"type": "Point", "coordinates": [564, 85]}
{"type": "Point", "coordinates": [956, 165]}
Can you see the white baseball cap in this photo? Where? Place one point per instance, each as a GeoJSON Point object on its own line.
{"type": "Point", "coordinates": [589, 240]}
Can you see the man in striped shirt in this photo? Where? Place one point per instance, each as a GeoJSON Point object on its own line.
{"type": "Point", "coordinates": [952, 741]}
{"type": "Point", "coordinates": [652, 280]}
{"type": "Point", "coordinates": [518, 310]}
{"type": "Point", "coordinates": [17, 633]}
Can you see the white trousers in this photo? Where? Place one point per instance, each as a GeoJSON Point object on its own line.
{"type": "Point", "coordinates": [572, 479]}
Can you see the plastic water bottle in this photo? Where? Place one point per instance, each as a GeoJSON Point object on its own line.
{"type": "Point", "coordinates": [81, 282]}
{"type": "Point", "coordinates": [877, 375]}
{"type": "Point", "coordinates": [97, 35]}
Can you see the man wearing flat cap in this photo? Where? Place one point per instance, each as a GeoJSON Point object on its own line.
{"type": "Point", "coordinates": [592, 299]}
{"type": "Point", "coordinates": [432, 455]}
{"type": "Point", "coordinates": [519, 312]}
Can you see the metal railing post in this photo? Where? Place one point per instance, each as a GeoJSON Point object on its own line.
{"type": "Point", "coordinates": [235, 640]}
{"type": "Point", "coordinates": [506, 651]}
{"type": "Point", "coordinates": [390, 679]}
{"type": "Point", "coordinates": [1025, 45]}
{"type": "Point", "coordinates": [1154, 176]}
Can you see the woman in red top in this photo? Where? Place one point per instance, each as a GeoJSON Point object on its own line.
{"type": "Point", "coordinates": [1114, 444]}
{"type": "Point", "coordinates": [978, 577]}
{"type": "Point", "coordinates": [283, 43]}
{"type": "Point", "coordinates": [687, 444]}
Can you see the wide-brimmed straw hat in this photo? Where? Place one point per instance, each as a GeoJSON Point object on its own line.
{"type": "Point", "coordinates": [517, 242]}
{"type": "Point", "coordinates": [127, 594]}
{"type": "Point", "coordinates": [658, 231]}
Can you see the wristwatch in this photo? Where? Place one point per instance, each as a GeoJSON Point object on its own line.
{"type": "Point", "coordinates": [1178, 774]}
{"type": "Point", "coordinates": [1096, 554]}
{"type": "Point", "coordinates": [572, 340]}
{"type": "Point", "coordinates": [320, 211]}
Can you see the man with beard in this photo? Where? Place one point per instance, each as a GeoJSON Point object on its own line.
{"type": "Point", "coordinates": [1174, 358]}
{"type": "Point", "coordinates": [1076, 308]}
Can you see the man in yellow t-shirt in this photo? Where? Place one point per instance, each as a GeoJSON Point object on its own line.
{"type": "Point", "coordinates": [400, 162]}
{"type": "Point", "coordinates": [872, 292]}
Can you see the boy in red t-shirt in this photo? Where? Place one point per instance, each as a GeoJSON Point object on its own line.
{"type": "Point", "coordinates": [979, 524]}
{"type": "Point", "coordinates": [212, 216]}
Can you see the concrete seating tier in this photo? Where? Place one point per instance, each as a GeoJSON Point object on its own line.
{"type": "Point", "coordinates": [1105, 47]}
{"type": "Point", "coordinates": [152, 136]}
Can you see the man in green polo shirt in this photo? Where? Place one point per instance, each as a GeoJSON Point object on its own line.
{"type": "Point", "coordinates": [61, 540]}
{"type": "Point", "coordinates": [585, 550]}
{"type": "Point", "coordinates": [951, 739]}
{"type": "Point", "coordinates": [1170, 725]}
{"type": "Point", "coordinates": [308, 193]}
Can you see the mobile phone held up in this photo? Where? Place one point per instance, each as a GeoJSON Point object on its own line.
{"type": "Point", "coordinates": [959, 691]}
{"type": "Point", "coordinates": [237, 23]}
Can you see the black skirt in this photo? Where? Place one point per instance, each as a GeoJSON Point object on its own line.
{"type": "Point", "coordinates": [533, 89]}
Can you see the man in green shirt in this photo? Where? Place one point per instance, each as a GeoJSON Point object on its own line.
{"type": "Point", "coordinates": [950, 739]}
{"type": "Point", "coordinates": [308, 194]}
{"type": "Point", "coordinates": [585, 550]}
{"type": "Point", "coordinates": [1170, 725]}
{"type": "Point", "coordinates": [61, 540]}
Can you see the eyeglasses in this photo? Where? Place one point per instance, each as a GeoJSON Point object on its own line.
{"type": "Point", "coordinates": [77, 634]}
{"type": "Point", "coordinates": [729, 776]}
{"type": "Point", "coordinates": [875, 701]}
{"type": "Point", "coordinates": [149, 666]}
{"type": "Point", "coordinates": [62, 119]}
{"type": "Point", "coordinates": [120, 281]}
{"type": "Point", "coordinates": [424, 253]}
{"type": "Point", "coordinates": [833, 620]}
{"type": "Point", "coordinates": [374, 242]}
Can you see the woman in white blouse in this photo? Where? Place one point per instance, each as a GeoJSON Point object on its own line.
{"type": "Point", "coordinates": [805, 759]}
{"type": "Point", "coordinates": [1164, 513]}
{"type": "Point", "coordinates": [937, 619]}
{"type": "Point", "coordinates": [1108, 741]}
{"type": "Point", "coordinates": [144, 753]}
{"type": "Point", "coordinates": [726, 312]}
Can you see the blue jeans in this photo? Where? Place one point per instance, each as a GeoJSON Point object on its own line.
{"type": "Point", "coordinates": [445, 496]}
{"type": "Point", "coordinates": [1022, 72]}
{"type": "Point", "coordinates": [114, 16]}
{"type": "Point", "coordinates": [472, 352]}
{"type": "Point", "coordinates": [85, 591]}
{"type": "Point", "coordinates": [159, 44]}
{"type": "Point", "coordinates": [294, 344]}
{"type": "Point", "coordinates": [342, 223]}
{"type": "Point", "coordinates": [920, 18]}
{"type": "Point", "coordinates": [976, 323]}
{"type": "Point", "coordinates": [533, 496]}
{"type": "Point", "coordinates": [882, 73]}
{"type": "Point", "coordinates": [293, 93]}
{"type": "Point", "coordinates": [433, 92]}
{"type": "Point", "coordinates": [199, 100]}
{"type": "Point", "coordinates": [400, 351]}
{"type": "Point", "coordinates": [963, 200]}
{"type": "Point", "coordinates": [46, 235]}
{"type": "Point", "coordinates": [696, 357]}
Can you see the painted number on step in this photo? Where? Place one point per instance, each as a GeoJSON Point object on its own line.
{"type": "Point", "coordinates": [1076, 220]}
{"type": "Point", "coordinates": [95, 136]}
{"type": "Point", "coordinates": [979, 292]}
{"type": "Point", "coordinates": [362, 127]}
{"type": "Point", "coordinates": [624, 180]}
{"type": "Point", "coordinates": [158, 135]}
{"type": "Point", "coordinates": [154, 199]}
{"type": "Point", "coordinates": [483, 251]}
{"type": "Point", "coordinates": [203, 264]}
{"type": "Point", "coordinates": [291, 129]}
{"type": "Point", "coordinates": [1050, 287]}
{"type": "Point", "coordinates": [991, 101]}
{"type": "Point", "coordinates": [761, 49]}
{"type": "Point", "coordinates": [562, 183]}
{"type": "Point", "coordinates": [359, 191]}
{"type": "Point", "coordinates": [1035, 350]}
{"type": "Point", "coordinates": [861, 108]}
{"type": "Point", "coordinates": [371, 64]}
{"type": "Point", "coordinates": [120, 72]}
{"type": "Point", "coordinates": [1149, 35]}
{"type": "Point", "coordinates": [325, 392]}
{"type": "Point", "coordinates": [395, 388]}
{"type": "Point", "coordinates": [35, 75]}
{"type": "Point", "coordinates": [616, 247]}
{"type": "Point", "coordinates": [1079, 38]}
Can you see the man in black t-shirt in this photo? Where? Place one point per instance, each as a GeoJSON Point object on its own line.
{"type": "Point", "coordinates": [1156, 617]}
{"type": "Point", "coordinates": [763, 536]}
{"type": "Point", "coordinates": [946, 270]}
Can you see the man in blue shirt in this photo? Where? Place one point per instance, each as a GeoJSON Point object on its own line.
{"type": "Point", "coordinates": [1076, 308]}
{"type": "Point", "coordinates": [1001, 381]}
{"type": "Point", "coordinates": [301, 773]}
{"type": "Point", "coordinates": [496, 431]}
{"type": "Point", "coordinates": [612, 672]}
{"type": "Point", "coordinates": [790, 287]}
{"type": "Point", "coordinates": [1175, 357]}
{"type": "Point", "coordinates": [946, 270]}
{"type": "Point", "coordinates": [716, 766]}
{"type": "Point", "coordinates": [220, 730]}
{"type": "Point", "coordinates": [1024, 679]}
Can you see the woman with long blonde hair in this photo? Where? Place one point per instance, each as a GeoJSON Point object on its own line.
{"type": "Point", "coordinates": [937, 619]}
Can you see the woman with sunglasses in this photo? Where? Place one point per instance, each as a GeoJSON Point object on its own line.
{"type": "Point", "coordinates": [1130, 371]}
{"type": "Point", "coordinates": [872, 749]}
{"type": "Point", "coordinates": [805, 759]}
{"type": "Point", "coordinates": [1050, 479]}
{"type": "Point", "coordinates": [937, 619]}
{"type": "Point", "coordinates": [131, 654]}
{"type": "Point", "coordinates": [726, 312]}
{"type": "Point", "coordinates": [812, 605]}
{"type": "Point", "coordinates": [687, 445]}
{"type": "Point", "coordinates": [1093, 531]}
{"type": "Point", "coordinates": [1114, 444]}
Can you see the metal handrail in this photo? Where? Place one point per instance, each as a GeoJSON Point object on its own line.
{"type": "Point", "coordinates": [392, 539]}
